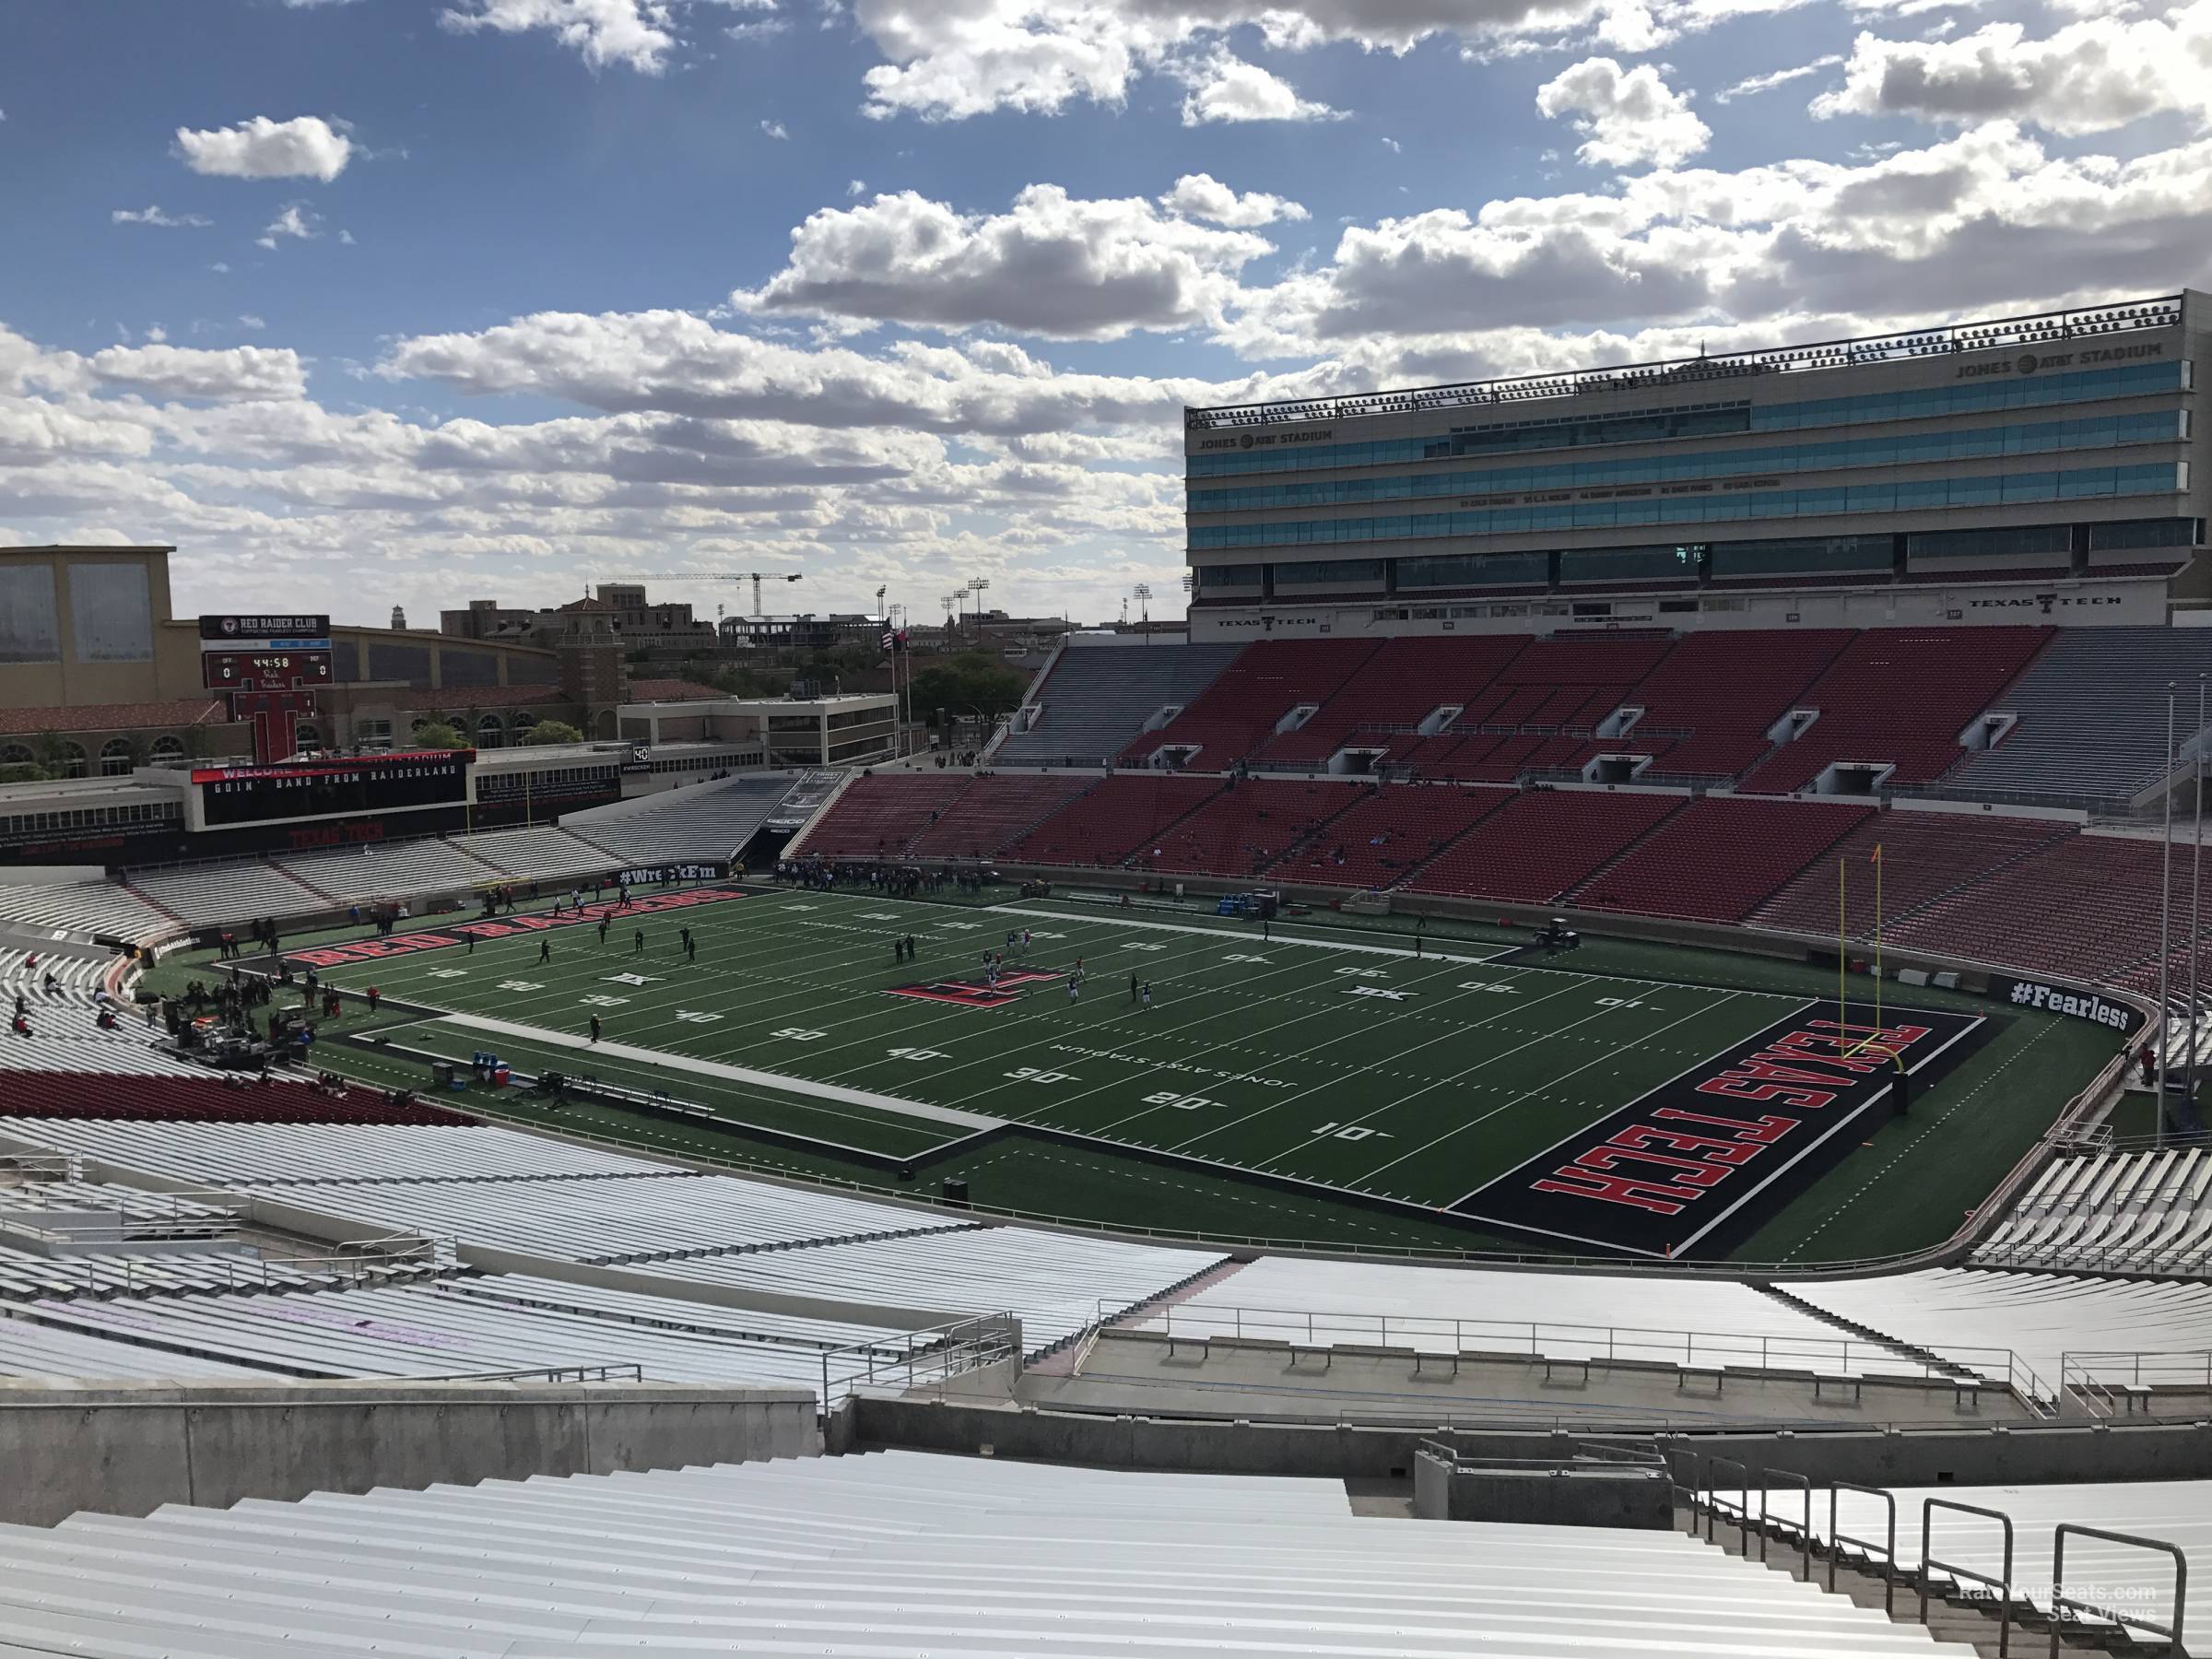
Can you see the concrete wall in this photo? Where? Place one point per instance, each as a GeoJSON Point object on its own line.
{"type": "Point", "coordinates": [1994, 1455]}
{"type": "Point", "coordinates": [127, 1449]}
{"type": "Point", "coordinates": [1640, 1499]}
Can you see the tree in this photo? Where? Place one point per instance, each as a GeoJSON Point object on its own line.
{"type": "Point", "coordinates": [969, 679]}
{"type": "Point", "coordinates": [438, 734]}
{"type": "Point", "coordinates": [553, 731]}
{"type": "Point", "coordinates": [744, 680]}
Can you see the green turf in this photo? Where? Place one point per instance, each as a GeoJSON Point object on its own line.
{"type": "Point", "coordinates": [1258, 1058]}
{"type": "Point", "coordinates": [1358, 1068]}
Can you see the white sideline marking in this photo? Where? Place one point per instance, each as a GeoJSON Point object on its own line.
{"type": "Point", "coordinates": [732, 1074]}
{"type": "Point", "coordinates": [1223, 933]}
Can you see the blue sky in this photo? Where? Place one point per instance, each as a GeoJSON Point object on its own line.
{"type": "Point", "coordinates": [372, 301]}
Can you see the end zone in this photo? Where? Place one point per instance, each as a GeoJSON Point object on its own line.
{"type": "Point", "coordinates": [1728, 1142]}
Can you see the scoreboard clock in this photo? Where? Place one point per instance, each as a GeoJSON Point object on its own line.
{"type": "Point", "coordinates": [264, 670]}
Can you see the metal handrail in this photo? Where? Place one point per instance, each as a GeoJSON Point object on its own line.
{"type": "Point", "coordinates": [1978, 336]}
{"type": "Point", "coordinates": [2180, 1368]}
{"type": "Point", "coordinates": [2061, 1601]}
{"type": "Point", "coordinates": [1929, 1565]}
{"type": "Point", "coordinates": [1837, 1538]}
{"type": "Point", "coordinates": [1667, 1345]}
{"type": "Point", "coordinates": [611, 1372]}
{"type": "Point", "coordinates": [958, 1347]}
{"type": "Point", "coordinates": [1805, 1534]}
{"type": "Point", "coordinates": [1743, 1514]}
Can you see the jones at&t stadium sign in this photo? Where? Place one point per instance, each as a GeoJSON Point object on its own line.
{"type": "Point", "coordinates": [1727, 1143]}
{"type": "Point", "coordinates": [2029, 362]}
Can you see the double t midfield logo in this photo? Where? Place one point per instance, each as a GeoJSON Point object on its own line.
{"type": "Point", "coordinates": [977, 993]}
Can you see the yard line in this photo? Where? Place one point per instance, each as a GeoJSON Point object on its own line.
{"type": "Point", "coordinates": [734, 1074]}
{"type": "Point", "coordinates": [1526, 1094]}
{"type": "Point", "coordinates": [1154, 1031]}
{"type": "Point", "coordinates": [1243, 1037]}
{"type": "Point", "coordinates": [1014, 1027]}
{"type": "Point", "coordinates": [1223, 933]}
{"type": "Point", "coordinates": [1567, 984]}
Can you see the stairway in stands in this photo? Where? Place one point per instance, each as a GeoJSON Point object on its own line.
{"type": "Point", "coordinates": [1974, 1624]}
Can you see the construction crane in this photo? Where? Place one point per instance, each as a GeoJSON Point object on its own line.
{"type": "Point", "coordinates": [755, 577]}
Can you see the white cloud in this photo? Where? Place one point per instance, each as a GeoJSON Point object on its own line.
{"type": "Point", "coordinates": [856, 188]}
{"type": "Point", "coordinates": [966, 57]}
{"type": "Point", "coordinates": [293, 222]}
{"type": "Point", "coordinates": [247, 320]}
{"type": "Point", "coordinates": [243, 372]}
{"type": "Point", "coordinates": [1393, 145]}
{"type": "Point", "coordinates": [634, 33]}
{"type": "Point", "coordinates": [154, 215]}
{"type": "Point", "coordinates": [1224, 88]}
{"type": "Point", "coordinates": [1202, 197]}
{"type": "Point", "coordinates": [2089, 76]}
{"type": "Point", "coordinates": [306, 146]}
{"type": "Point", "coordinates": [1627, 118]}
{"type": "Point", "coordinates": [1628, 25]}
{"type": "Point", "coordinates": [1052, 265]}
{"type": "Point", "coordinates": [774, 129]}
{"type": "Point", "coordinates": [1753, 84]}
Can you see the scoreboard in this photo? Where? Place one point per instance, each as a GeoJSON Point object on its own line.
{"type": "Point", "coordinates": [269, 670]}
{"type": "Point", "coordinates": [225, 797]}
{"type": "Point", "coordinates": [258, 654]}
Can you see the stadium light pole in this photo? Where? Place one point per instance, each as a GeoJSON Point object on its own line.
{"type": "Point", "coordinates": [2166, 916]}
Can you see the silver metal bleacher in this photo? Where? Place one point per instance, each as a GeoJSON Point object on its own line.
{"type": "Point", "coordinates": [893, 1553]}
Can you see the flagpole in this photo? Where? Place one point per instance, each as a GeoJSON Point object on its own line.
{"type": "Point", "coordinates": [2196, 889]}
{"type": "Point", "coordinates": [2166, 917]}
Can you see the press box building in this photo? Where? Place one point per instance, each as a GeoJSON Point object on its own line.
{"type": "Point", "coordinates": [1999, 471]}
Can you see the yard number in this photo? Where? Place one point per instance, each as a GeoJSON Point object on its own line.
{"type": "Point", "coordinates": [798, 1034]}
{"type": "Point", "coordinates": [1239, 956]}
{"type": "Point", "coordinates": [1179, 1101]}
{"type": "Point", "coordinates": [520, 985]}
{"type": "Point", "coordinates": [1030, 1074]}
{"type": "Point", "coordinates": [1366, 973]}
{"type": "Point", "coordinates": [1351, 1131]}
{"type": "Point", "coordinates": [1619, 1002]}
{"type": "Point", "coordinates": [694, 1016]}
{"type": "Point", "coordinates": [449, 973]}
{"type": "Point", "coordinates": [604, 1001]}
{"type": "Point", "coordinates": [1486, 985]}
{"type": "Point", "coordinates": [1143, 947]}
{"type": "Point", "coordinates": [915, 1054]}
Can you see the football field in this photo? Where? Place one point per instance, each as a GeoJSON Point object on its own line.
{"type": "Point", "coordinates": [1312, 1054]}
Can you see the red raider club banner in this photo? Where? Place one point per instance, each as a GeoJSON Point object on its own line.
{"type": "Point", "coordinates": [1728, 1142]}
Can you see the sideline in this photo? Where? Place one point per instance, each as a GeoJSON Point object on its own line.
{"type": "Point", "coordinates": [1116, 920]}
{"type": "Point", "coordinates": [730, 1073]}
